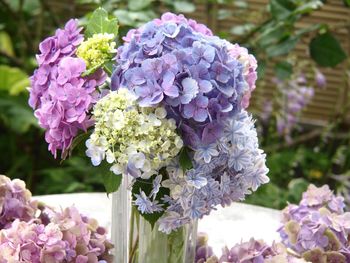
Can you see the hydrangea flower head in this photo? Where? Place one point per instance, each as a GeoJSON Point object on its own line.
{"type": "Point", "coordinates": [60, 96]}
{"type": "Point", "coordinates": [136, 141]}
{"type": "Point", "coordinates": [200, 79]}
{"type": "Point", "coordinates": [97, 49]}
{"type": "Point", "coordinates": [318, 226]}
{"type": "Point", "coordinates": [223, 173]}
{"type": "Point", "coordinates": [15, 202]}
{"type": "Point", "coordinates": [257, 251]}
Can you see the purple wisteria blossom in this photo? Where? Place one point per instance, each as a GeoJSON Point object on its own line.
{"type": "Point", "coordinates": [297, 95]}
{"type": "Point", "coordinates": [59, 95]}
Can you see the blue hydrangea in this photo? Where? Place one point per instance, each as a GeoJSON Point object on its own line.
{"type": "Point", "coordinates": [192, 74]}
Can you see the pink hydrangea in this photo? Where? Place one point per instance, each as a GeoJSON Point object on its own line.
{"type": "Point", "coordinates": [69, 238]}
{"type": "Point", "coordinates": [249, 72]}
{"type": "Point", "coordinates": [59, 94]}
{"type": "Point", "coordinates": [15, 202]}
{"type": "Point", "coordinates": [49, 236]}
{"type": "Point", "coordinates": [31, 242]}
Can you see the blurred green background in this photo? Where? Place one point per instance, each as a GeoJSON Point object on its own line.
{"type": "Point", "coordinates": [301, 100]}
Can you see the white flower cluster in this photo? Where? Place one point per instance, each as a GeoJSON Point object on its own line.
{"type": "Point", "coordinates": [135, 140]}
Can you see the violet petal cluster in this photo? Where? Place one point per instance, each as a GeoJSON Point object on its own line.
{"type": "Point", "coordinates": [200, 79]}
{"type": "Point", "coordinates": [60, 96]}
{"type": "Point", "coordinates": [15, 202]}
{"type": "Point", "coordinates": [318, 227]}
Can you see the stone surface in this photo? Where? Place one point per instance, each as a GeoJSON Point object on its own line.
{"type": "Point", "coordinates": [225, 226]}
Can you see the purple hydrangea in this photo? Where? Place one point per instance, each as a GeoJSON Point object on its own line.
{"type": "Point", "coordinates": [318, 226]}
{"type": "Point", "coordinates": [204, 252]}
{"type": "Point", "coordinates": [199, 78]}
{"type": "Point", "coordinates": [15, 202]}
{"type": "Point", "coordinates": [60, 96]}
{"type": "Point", "coordinates": [257, 251]}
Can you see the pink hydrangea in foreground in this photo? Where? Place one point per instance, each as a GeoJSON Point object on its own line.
{"type": "Point", "coordinates": [15, 202]}
{"type": "Point", "coordinates": [49, 236]}
{"type": "Point", "coordinates": [59, 95]}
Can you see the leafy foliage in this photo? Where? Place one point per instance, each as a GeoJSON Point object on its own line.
{"type": "Point", "coordinates": [185, 160]}
{"type": "Point", "coordinates": [326, 50]}
{"type": "Point", "coordinates": [13, 80]}
{"type": "Point", "coordinates": [99, 22]}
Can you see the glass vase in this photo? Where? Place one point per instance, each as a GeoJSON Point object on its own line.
{"type": "Point", "coordinates": [136, 241]}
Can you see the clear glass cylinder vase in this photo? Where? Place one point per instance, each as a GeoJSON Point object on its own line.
{"type": "Point", "coordinates": [136, 241]}
{"type": "Point", "coordinates": [176, 247]}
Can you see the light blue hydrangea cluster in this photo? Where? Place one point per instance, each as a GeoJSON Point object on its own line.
{"type": "Point", "coordinates": [223, 173]}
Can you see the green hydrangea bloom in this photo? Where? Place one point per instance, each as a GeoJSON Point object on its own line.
{"type": "Point", "coordinates": [96, 50]}
{"type": "Point", "coordinates": [128, 134]}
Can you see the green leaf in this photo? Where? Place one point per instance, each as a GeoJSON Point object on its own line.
{"type": "Point", "coordinates": [136, 5]}
{"type": "Point", "coordinates": [76, 141]}
{"type": "Point", "coordinates": [282, 48]}
{"type": "Point", "coordinates": [308, 7]}
{"type": "Point", "coordinates": [346, 3]}
{"type": "Point", "coordinates": [326, 50]}
{"type": "Point", "coordinates": [13, 80]}
{"type": "Point", "coordinates": [134, 18]}
{"type": "Point", "coordinates": [184, 6]}
{"type": "Point", "coordinates": [281, 9]}
{"type": "Point", "coordinates": [296, 187]}
{"type": "Point", "coordinates": [147, 186]}
{"type": "Point", "coordinates": [185, 160]}
{"type": "Point", "coordinates": [91, 70]}
{"type": "Point", "coordinates": [16, 114]}
{"type": "Point", "coordinates": [6, 44]}
{"type": "Point", "coordinates": [261, 69]}
{"type": "Point", "coordinates": [99, 22]}
{"type": "Point", "coordinates": [283, 70]}
{"type": "Point", "coordinates": [111, 181]}
{"type": "Point", "coordinates": [272, 35]}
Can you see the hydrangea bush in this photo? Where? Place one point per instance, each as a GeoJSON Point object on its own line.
{"type": "Point", "coordinates": [31, 233]}
{"type": "Point", "coordinates": [172, 116]}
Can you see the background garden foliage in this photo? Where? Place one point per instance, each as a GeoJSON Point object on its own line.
{"type": "Point", "coordinates": [296, 154]}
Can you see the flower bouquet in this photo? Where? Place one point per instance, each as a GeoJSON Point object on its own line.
{"type": "Point", "coordinates": [165, 111]}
